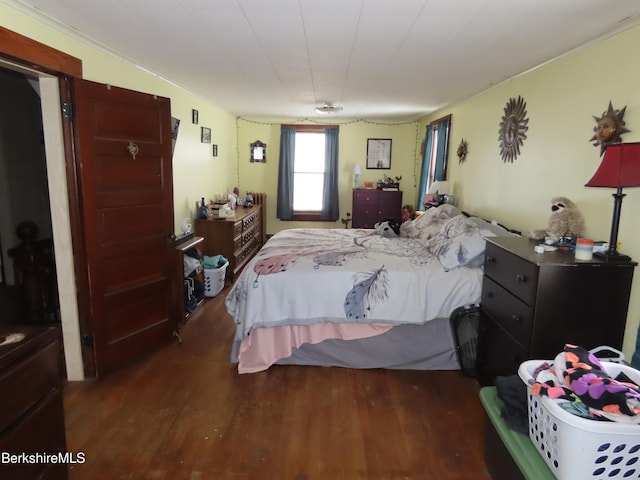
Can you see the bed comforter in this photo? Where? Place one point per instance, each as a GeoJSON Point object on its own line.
{"type": "Point", "coordinates": [311, 276]}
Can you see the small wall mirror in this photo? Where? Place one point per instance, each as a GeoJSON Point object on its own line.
{"type": "Point", "coordinates": [258, 152]}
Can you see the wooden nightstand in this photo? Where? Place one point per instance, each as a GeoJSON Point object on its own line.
{"type": "Point", "coordinates": [534, 303]}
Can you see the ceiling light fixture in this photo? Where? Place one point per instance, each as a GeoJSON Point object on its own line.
{"type": "Point", "coordinates": [328, 108]}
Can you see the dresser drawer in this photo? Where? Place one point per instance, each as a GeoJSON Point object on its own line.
{"type": "Point", "coordinates": [27, 388]}
{"type": "Point", "coordinates": [514, 273]}
{"type": "Point", "coordinates": [515, 316]}
{"type": "Point", "coordinates": [42, 431]}
{"type": "Point", "coordinates": [249, 220]}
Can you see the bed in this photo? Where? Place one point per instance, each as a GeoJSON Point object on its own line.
{"type": "Point", "coordinates": [355, 298]}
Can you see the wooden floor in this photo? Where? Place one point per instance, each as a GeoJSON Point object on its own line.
{"type": "Point", "coordinates": [185, 413]}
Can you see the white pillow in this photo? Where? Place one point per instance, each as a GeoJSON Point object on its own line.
{"type": "Point", "coordinates": [458, 243]}
{"type": "Point", "coordinates": [429, 223]}
{"type": "Point", "coordinates": [489, 229]}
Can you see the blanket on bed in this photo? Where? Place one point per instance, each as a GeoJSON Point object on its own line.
{"type": "Point", "coordinates": [308, 276]}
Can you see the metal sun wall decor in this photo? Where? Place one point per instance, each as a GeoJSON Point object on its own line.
{"type": "Point", "coordinates": [512, 130]}
{"type": "Point", "coordinates": [462, 151]}
{"type": "Point", "coordinates": [608, 128]}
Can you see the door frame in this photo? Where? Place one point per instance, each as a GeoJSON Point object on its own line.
{"type": "Point", "coordinates": [54, 69]}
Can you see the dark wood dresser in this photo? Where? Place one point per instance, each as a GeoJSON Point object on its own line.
{"type": "Point", "coordinates": [534, 303]}
{"type": "Point", "coordinates": [32, 412]}
{"type": "Point", "coordinates": [372, 206]}
{"type": "Point", "coordinates": [236, 238]}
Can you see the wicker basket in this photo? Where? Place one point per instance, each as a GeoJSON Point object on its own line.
{"type": "Point", "coordinates": [577, 448]}
{"type": "Point", "coordinates": [214, 280]}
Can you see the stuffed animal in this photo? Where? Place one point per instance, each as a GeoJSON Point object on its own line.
{"type": "Point", "coordinates": [566, 219]}
{"type": "Point", "coordinates": [388, 228]}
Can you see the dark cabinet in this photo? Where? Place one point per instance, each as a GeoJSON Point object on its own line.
{"type": "Point", "coordinates": [534, 303]}
{"type": "Point", "coordinates": [32, 413]}
{"type": "Point", "coordinates": [372, 206]}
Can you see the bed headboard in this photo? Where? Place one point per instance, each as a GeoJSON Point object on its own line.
{"type": "Point", "coordinates": [260, 198]}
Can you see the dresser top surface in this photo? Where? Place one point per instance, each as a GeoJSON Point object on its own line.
{"type": "Point", "coordinates": [524, 248]}
{"type": "Point", "coordinates": [29, 339]}
{"type": "Point", "coordinates": [240, 212]}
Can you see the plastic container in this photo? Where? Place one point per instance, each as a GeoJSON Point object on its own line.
{"type": "Point", "coordinates": [577, 448]}
{"type": "Point", "coordinates": [214, 280]}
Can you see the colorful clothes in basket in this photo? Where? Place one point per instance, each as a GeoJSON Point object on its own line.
{"type": "Point", "coordinates": [578, 376]}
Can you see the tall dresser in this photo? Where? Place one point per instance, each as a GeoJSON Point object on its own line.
{"type": "Point", "coordinates": [237, 238]}
{"type": "Point", "coordinates": [534, 303]}
{"type": "Point", "coordinates": [372, 206]}
{"type": "Point", "coordinates": [32, 412]}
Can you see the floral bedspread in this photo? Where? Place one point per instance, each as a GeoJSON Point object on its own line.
{"type": "Point", "coordinates": [307, 276]}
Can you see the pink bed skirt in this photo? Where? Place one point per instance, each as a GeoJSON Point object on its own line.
{"type": "Point", "coordinates": [265, 346]}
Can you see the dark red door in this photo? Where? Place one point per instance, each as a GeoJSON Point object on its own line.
{"type": "Point", "coordinates": [123, 141]}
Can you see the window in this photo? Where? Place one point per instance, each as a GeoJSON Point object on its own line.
{"type": "Point", "coordinates": [436, 153]}
{"type": "Point", "coordinates": [308, 173]}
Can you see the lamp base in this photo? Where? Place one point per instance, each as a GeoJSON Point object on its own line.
{"type": "Point", "coordinates": [610, 256]}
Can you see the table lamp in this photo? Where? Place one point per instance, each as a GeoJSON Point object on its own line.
{"type": "Point", "coordinates": [440, 189]}
{"type": "Point", "coordinates": [620, 168]}
{"type": "Point", "coordinates": [357, 170]}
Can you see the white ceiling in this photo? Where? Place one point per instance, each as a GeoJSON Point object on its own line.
{"type": "Point", "coordinates": [378, 59]}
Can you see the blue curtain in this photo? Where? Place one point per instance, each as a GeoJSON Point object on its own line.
{"type": "Point", "coordinates": [285, 173]}
{"type": "Point", "coordinates": [424, 173]}
{"type": "Point", "coordinates": [330, 200]}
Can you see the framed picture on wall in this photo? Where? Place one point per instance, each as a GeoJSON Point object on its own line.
{"type": "Point", "coordinates": [379, 153]}
{"type": "Point", "coordinates": [194, 116]}
{"type": "Point", "coordinates": [205, 135]}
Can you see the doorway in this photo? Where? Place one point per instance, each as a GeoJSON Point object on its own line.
{"type": "Point", "coordinates": [24, 201]}
{"type": "Point", "coordinates": [52, 221]}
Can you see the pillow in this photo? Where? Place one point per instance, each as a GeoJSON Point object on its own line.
{"type": "Point", "coordinates": [429, 223]}
{"type": "Point", "coordinates": [458, 243]}
{"type": "Point", "coordinates": [491, 229]}
{"type": "Point", "coordinates": [449, 209]}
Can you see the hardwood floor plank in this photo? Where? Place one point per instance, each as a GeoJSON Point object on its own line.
{"type": "Point", "coordinates": [185, 413]}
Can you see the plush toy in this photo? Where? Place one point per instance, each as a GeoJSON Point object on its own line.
{"type": "Point", "coordinates": [388, 228]}
{"type": "Point", "coordinates": [566, 219]}
{"type": "Point", "coordinates": [408, 213]}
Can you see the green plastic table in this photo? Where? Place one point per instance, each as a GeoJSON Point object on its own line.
{"type": "Point", "coordinates": [519, 446]}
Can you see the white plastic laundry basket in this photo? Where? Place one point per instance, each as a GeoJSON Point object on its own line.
{"type": "Point", "coordinates": [214, 280]}
{"type": "Point", "coordinates": [577, 448]}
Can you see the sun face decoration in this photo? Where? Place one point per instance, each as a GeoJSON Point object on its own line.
{"type": "Point", "coordinates": [608, 128]}
{"type": "Point", "coordinates": [462, 151]}
{"type": "Point", "coordinates": [512, 130]}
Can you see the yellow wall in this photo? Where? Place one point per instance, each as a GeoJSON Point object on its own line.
{"type": "Point", "coordinates": [263, 177]}
{"type": "Point", "coordinates": [557, 158]}
{"type": "Point", "coordinates": [196, 172]}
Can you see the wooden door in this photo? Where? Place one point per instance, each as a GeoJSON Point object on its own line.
{"type": "Point", "coordinates": [123, 142]}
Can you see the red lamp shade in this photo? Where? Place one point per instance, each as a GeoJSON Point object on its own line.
{"type": "Point", "coordinates": [620, 167]}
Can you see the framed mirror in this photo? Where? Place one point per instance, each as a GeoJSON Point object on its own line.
{"type": "Point", "coordinates": [258, 152]}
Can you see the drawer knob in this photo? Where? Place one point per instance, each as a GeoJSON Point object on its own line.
{"type": "Point", "coordinates": [489, 295]}
{"type": "Point", "coordinates": [491, 259]}
{"type": "Point", "coordinates": [521, 278]}
{"type": "Point", "coordinates": [516, 318]}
